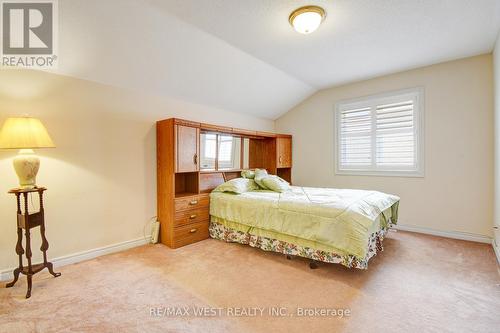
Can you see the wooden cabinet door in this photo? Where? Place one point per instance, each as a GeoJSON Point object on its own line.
{"type": "Point", "coordinates": [186, 148]}
{"type": "Point", "coordinates": [284, 152]}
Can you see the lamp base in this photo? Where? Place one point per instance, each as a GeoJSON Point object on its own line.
{"type": "Point", "coordinates": [26, 164]}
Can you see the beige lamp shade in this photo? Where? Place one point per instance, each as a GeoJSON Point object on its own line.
{"type": "Point", "coordinates": [24, 133]}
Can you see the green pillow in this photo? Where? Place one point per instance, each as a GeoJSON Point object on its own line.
{"type": "Point", "coordinates": [237, 185]}
{"type": "Point", "coordinates": [249, 174]}
{"type": "Point", "coordinates": [260, 174]}
{"type": "Point", "coordinates": [276, 184]}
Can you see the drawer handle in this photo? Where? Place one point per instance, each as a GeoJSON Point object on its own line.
{"type": "Point", "coordinates": [192, 216]}
{"type": "Point", "coordinates": [194, 202]}
{"type": "Point", "coordinates": [193, 230]}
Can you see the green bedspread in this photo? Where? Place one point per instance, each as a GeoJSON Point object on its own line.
{"type": "Point", "coordinates": [338, 219]}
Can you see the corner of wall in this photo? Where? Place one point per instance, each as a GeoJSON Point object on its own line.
{"type": "Point", "coordinates": [496, 221]}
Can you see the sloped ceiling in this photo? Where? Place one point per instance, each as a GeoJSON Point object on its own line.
{"type": "Point", "coordinates": [132, 44]}
{"type": "Point", "coordinates": [243, 56]}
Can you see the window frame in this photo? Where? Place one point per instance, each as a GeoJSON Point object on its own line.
{"type": "Point", "coordinates": [371, 101]}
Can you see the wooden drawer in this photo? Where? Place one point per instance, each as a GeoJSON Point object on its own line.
{"type": "Point", "coordinates": [191, 216]}
{"type": "Point", "coordinates": [200, 201]}
{"type": "Point", "coordinates": [190, 234]}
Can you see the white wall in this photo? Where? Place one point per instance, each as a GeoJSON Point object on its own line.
{"type": "Point", "coordinates": [101, 178]}
{"type": "Point", "coordinates": [456, 193]}
{"type": "Point", "coordinates": [496, 65]}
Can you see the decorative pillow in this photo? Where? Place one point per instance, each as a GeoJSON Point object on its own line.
{"type": "Point", "coordinates": [249, 174]}
{"type": "Point", "coordinates": [260, 174]}
{"type": "Point", "coordinates": [237, 185]}
{"type": "Point", "coordinates": [275, 183]}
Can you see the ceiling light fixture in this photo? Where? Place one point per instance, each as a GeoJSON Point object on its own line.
{"type": "Point", "coordinates": [307, 19]}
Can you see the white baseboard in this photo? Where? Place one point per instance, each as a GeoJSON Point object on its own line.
{"type": "Point", "coordinates": [496, 248]}
{"type": "Point", "coordinates": [85, 255]}
{"type": "Point", "coordinates": [448, 234]}
{"type": "Point", "coordinates": [90, 254]}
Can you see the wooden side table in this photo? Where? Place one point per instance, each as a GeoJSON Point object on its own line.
{"type": "Point", "coordinates": [28, 221]}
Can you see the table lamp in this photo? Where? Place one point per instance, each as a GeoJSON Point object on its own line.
{"type": "Point", "coordinates": [25, 134]}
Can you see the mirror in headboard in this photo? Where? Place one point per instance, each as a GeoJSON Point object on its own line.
{"type": "Point", "coordinates": [229, 153]}
{"type": "Point", "coordinates": [223, 152]}
{"type": "Point", "coordinates": [208, 147]}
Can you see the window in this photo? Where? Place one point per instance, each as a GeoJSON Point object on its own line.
{"type": "Point", "coordinates": [381, 135]}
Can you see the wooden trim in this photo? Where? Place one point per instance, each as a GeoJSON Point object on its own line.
{"type": "Point", "coordinates": [178, 121]}
{"type": "Point", "coordinates": [216, 128]}
{"type": "Point", "coordinates": [266, 134]}
{"type": "Point", "coordinates": [244, 132]}
{"type": "Point", "coordinates": [165, 141]}
{"type": "Point", "coordinates": [228, 130]}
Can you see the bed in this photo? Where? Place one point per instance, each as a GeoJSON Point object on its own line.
{"type": "Point", "coordinates": [339, 226]}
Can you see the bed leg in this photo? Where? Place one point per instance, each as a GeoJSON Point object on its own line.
{"type": "Point", "coordinates": [313, 264]}
{"type": "Point", "coordinates": [288, 257]}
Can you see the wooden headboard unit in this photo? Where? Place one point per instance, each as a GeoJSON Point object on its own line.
{"type": "Point", "coordinates": [182, 185]}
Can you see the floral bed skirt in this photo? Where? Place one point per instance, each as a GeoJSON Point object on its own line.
{"type": "Point", "coordinates": [221, 232]}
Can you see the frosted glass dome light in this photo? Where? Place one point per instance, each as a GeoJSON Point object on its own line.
{"type": "Point", "coordinates": [307, 19]}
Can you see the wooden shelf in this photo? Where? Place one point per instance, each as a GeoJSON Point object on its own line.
{"type": "Point", "coordinates": [285, 173]}
{"type": "Point", "coordinates": [186, 182]}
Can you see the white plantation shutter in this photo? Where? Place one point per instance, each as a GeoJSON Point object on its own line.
{"type": "Point", "coordinates": [395, 135]}
{"type": "Point", "coordinates": [356, 138]}
{"type": "Point", "coordinates": [380, 135]}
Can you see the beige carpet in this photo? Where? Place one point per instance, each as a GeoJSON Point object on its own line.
{"type": "Point", "coordinates": [418, 284]}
